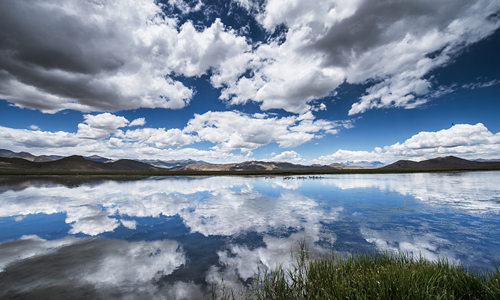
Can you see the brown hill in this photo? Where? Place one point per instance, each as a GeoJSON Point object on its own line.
{"type": "Point", "coordinates": [73, 163]}
{"type": "Point", "coordinates": [444, 163]}
{"type": "Point", "coordinates": [132, 165]}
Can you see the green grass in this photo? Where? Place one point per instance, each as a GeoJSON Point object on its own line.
{"type": "Point", "coordinates": [376, 276]}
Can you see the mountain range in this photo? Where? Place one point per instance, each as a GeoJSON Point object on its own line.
{"type": "Point", "coordinates": [97, 158]}
{"type": "Point", "coordinates": [443, 163]}
{"type": "Point", "coordinates": [25, 162]}
{"type": "Point", "coordinates": [73, 163]}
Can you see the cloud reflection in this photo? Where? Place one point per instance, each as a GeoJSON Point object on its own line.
{"type": "Point", "coordinates": [77, 264]}
{"type": "Point", "coordinates": [476, 192]}
{"type": "Point", "coordinates": [89, 208]}
{"type": "Point", "coordinates": [207, 205]}
{"type": "Point", "coordinates": [428, 245]}
{"type": "Point", "coordinates": [229, 213]}
{"type": "Point", "coordinates": [276, 214]}
{"type": "Point", "coordinates": [90, 220]}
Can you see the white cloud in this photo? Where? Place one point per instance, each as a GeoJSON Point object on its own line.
{"type": "Point", "coordinates": [22, 138]}
{"type": "Point", "coordinates": [138, 122]}
{"type": "Point", "coordinates": [88, 56]}
{"type": "Point", "coordinates": [117, 55]}
{"type": "Point", "coordinates": [158, 137]}
{"type": "Point", "coordinates": [286, 156]}
{"type": "Point", "coordinates": [196, 52]}
{"type": "Point", "coordinates": [400, 56]}
{"type": "Point", "coordinates": [34, 127]}
{"type": "Point", "coordinates": [144, 143]}
{"type": "Point", "coordinates": [247, 4]}
{"type": "Point", "coordinates": [100, 126]}
{"type": "Point", "coordinates": [231, 130]}
{"type": "Point", "coordinates": [282, 79]}
{"type": "Point", "coordinates": [185, 7]}
{"type": "Point", "coordinates": [105, 121]}
{"type": "Point", "coordinates": [479, 85]}
{"type": "Point", "coordinates": [462, 140]}
{"type": "Point", "coordinates": [456, 136]}
{"type": "Point", "coordinates": [394, 92]}
{"type": "Point", "coordinates": [392, 43]}
{"type": "Point", "coordinates": [110, 56]}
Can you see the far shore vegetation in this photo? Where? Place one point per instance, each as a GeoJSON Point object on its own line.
{"type": "Point", "coordinates": [369, 276]}
{"type": "Point", "coordinates": [236, 173]}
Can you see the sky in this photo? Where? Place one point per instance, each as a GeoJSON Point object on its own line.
{"type": "Point", "coordinates": [308, 82]}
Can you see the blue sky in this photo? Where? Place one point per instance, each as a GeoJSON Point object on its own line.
{"type": "Point", "coordinates": [323, 82]}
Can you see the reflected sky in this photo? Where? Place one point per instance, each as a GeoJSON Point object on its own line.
{"type": "Point", "coordinates": [171, 237]}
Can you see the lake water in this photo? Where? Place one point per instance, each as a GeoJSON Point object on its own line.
{"type": "Point", "coordinates": [172, 237]}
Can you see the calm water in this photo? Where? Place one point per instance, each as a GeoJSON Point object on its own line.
{"type": "Point", "coordinates": [170, 238]}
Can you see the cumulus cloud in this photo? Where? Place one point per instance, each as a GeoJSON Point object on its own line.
{"type": "Point", "coordinates": [23, 138]}
{"type": "Point", "coordinates": [282, 77]}
{"type": "Point", "coordinates": [197, 52]}
{"type": "Point", "coordinates": [158, 137]}
{"type": "Point", "coordinates": [227, 130]}
{"type": "Point", "coordinates": [100, 126]}
{"type": "Point", "coordinates": [135, 144]}
{"type": "Point", "coordinates": [286, 156]}
{"type": "Point", "coordinates": [234, 130]}
{"type": "Point", "coordinates": [87, 56]}
{"type": "Point", "coordinates": [138, 122]}
{"type": "Point", "coordinates": [462, 140]}
{"type": "Point", "coordinates": [95, 56]}
{"type": "Point", "coordinates": [394, 44]}
{"type": "Point", "coordinates": [184, 6]}
{"type": "Point", "coordinates": [114, 55]}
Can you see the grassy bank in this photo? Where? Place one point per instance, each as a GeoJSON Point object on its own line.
{"type": "Point", "coordinates": [384, 276]}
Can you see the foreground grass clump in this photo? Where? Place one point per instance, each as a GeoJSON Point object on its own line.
{"type": "Point", "coordinates": [384, 276]}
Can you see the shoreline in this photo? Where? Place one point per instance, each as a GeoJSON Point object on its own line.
{"type": "Point", "coordinates": [237, 173]}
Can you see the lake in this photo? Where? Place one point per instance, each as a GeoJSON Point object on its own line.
{"type": "Point", "coordinates": [173, 237]}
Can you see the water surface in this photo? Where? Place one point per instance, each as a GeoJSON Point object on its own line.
{"type": "Point", "coordinates": [172, 237]}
